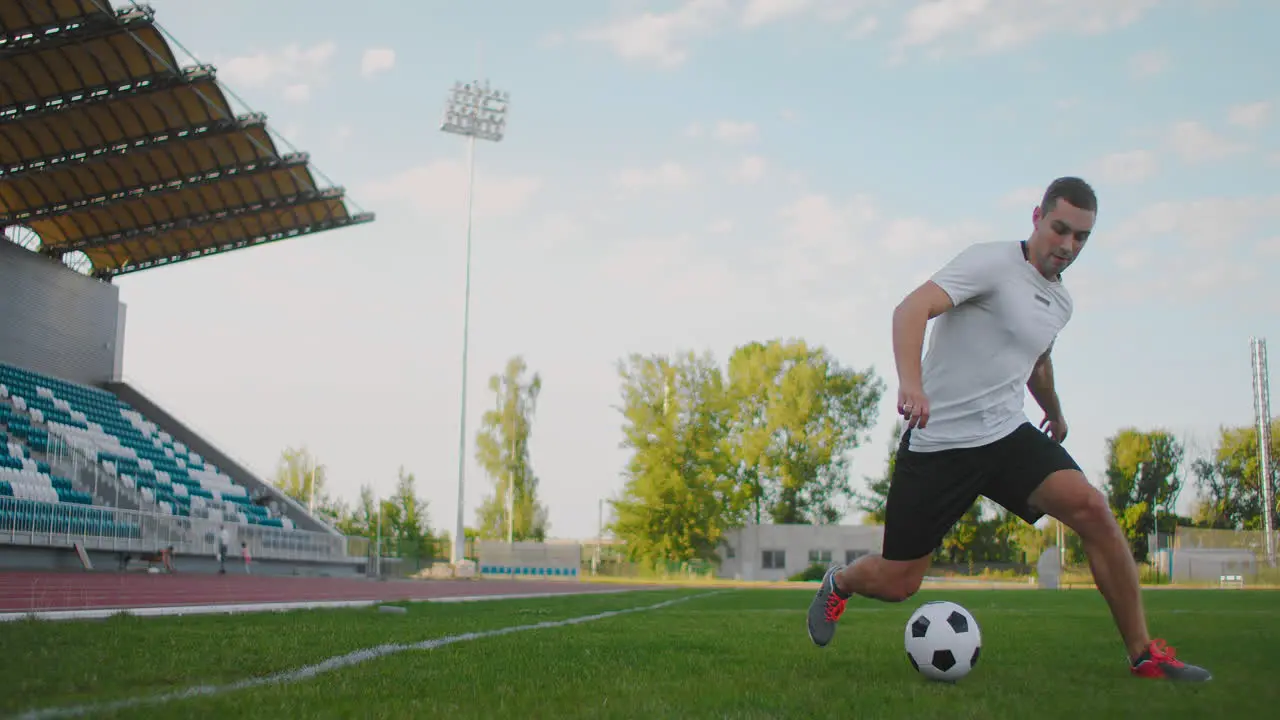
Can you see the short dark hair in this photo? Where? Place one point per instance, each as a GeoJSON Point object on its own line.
{"type": "Point", "coordinates": [1073, 190]}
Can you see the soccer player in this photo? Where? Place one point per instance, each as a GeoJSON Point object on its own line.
{"type": "Point", "coordinates": [999, 308]}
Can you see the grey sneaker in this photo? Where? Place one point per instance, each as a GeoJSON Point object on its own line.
{"type": "Point", "coordinates": [1159, 661]}
{"type": "Point", "coordinates": [826, 609]}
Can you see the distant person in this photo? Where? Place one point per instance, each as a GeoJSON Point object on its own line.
{"type": "Point", "coordinates": [224, 541]}
{"type": "Point", "coordinates": [244, 552]}
{"type": "Point", "coordinates": [999, 308]}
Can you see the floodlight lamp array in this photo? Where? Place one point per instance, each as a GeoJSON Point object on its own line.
{"type": "Point", "coordinates": [474, 109]}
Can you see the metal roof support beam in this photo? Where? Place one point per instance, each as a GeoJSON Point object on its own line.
{"type": "Point", "coordinates": [103, 93]}
{"type": "Point", "coordinates": [197, 221]}
{"type": "Point", "coordinates": [95, 202]}
{"type": "Point", "coordinates": [75, 31]}
{"type": "Point", "coordinates": [309, 229]}
{"type": "Point", "coordinates": [88, 156]}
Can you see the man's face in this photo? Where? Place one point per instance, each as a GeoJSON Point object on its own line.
{"type": "Point", "coordinates": [1059, 237]}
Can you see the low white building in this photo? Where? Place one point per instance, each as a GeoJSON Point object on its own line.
{"type": "Point", "coordinates": [776, 552]}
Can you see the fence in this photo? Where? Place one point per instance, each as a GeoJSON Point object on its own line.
{"type": "Point", "coordinates": [117, 526]}
{"type": "Point", "coordinates": [1206, 555]}
{"type": "Point", "coordinates": [36, 523]}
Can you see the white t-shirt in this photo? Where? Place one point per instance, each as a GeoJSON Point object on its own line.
{"type": "Point", "coordinates": [982, 351]}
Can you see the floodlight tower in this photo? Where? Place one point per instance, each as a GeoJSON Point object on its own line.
{"type": "Point", "coordinates": [1262, 414]}
{"type": "Point", "coordinates": [474, 111]}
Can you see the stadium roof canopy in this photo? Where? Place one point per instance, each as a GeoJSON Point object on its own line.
{"type": "Point", "coordinates": [111, 149]}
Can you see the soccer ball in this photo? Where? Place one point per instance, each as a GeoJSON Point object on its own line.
{"type": "Point", "coordinates": [943, 641]}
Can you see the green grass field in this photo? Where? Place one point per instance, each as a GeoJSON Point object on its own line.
{"type": "Point", "coordinates": [735, 654]}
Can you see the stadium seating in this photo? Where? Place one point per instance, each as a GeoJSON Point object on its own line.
{"type": "Point", "coordinates": [168, 476]}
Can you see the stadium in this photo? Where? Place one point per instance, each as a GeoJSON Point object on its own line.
{"type": "Point", "coordinates": [122, 529]}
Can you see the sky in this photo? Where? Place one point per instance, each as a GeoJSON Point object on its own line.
{"type": "Point", "coordinates": [699, 174]}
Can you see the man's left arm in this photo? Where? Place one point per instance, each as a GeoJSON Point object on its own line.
{"type": "Point", "coordinates": [1041, 386]}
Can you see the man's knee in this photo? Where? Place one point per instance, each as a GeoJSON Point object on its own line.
{"type": "Point", "coordinates": [1068, 496]}
{"type": "Point", "coordinates": [903, 588]}
{"type": "Point", "coordinates": [901, 579]}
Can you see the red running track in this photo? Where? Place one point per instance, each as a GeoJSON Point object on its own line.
{"type": "Point", "coordinates": [37, 591]}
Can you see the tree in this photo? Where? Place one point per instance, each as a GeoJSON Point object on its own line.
{"type": "Point", "coordinates": [1230, 482]}
{"type": "Point", "coordinates": [876, 497]}
{"type": "Point", "coordinates": [798, 413]}
{"type": "Point", "coordinates": [502, 449]}
{"type": "Point", "coordinates": [363, 522]}
{"type": "Point", "coordinates": [678, 498]}
{"type": "Point", "coordinates": [1142, 478]}
{"type": "Point", "coordinates": [409, 528]}
{"type": "Point", "coordinates": [302, 478]}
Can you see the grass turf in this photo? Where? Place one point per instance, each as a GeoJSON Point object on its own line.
{"type": "Point", "coordinates": [737, 653]}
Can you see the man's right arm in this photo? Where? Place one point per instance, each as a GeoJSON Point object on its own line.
{"type": "Point", "coordinates": [969, 274]}
{"type": "Point", "coordinates": [909, 321]}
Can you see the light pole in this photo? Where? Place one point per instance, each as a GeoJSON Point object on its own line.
{"type": "Point", "coordinates": [511, 487]}
{"type": "Point", "coordinates": [473, 111]}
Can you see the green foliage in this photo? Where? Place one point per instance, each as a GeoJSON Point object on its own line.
{"type": "Point", "coordinates": [299, 476]}
{"type": "Point", "coordinates": [404, 529]}
{"type": "Point", "coordinates": [710, 450]}
{"type": "Point", "coordinates": [875, 498]}
{"type": "Point", "coordinates": [813, 573]}
{"type": "Point", "coordinates": [797, 414]}
{"type": "Point", "coordinates": [1143, 476]}
{"type": "Point", "coordinates": [679, 497]}
{"type": "Point", "coordinates": [1230, 481]}
{"type": "Point", "coordinates": [502, 449]}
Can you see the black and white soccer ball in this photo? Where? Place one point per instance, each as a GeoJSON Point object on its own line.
{"type": "Point", "coordinates": [943, 641]}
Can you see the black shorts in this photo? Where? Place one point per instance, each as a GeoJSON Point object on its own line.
{"type": "Point", "coordinates": [930, 491]}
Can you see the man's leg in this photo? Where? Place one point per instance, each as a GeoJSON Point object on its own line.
{"type": "Point", "coordinates": [1040, 477]}
{"type": "Point", "coordinates": [927, 495]}
{"type": "Point", "coordinates": [871, 576]}
{"type": "Point", "coordinates": [1068, 496]}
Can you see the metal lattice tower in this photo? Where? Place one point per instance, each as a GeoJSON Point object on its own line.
{"type": "Point", "coordinates": [1262, 413]}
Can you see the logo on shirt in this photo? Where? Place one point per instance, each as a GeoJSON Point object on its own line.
{"type": "Point", "coordinates": [1042, 300]}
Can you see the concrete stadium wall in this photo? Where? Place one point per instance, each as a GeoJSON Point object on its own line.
{"type": "Point", "coordinates": [56, 321]}
{"type": "Point", "coordinates": [529, 560]}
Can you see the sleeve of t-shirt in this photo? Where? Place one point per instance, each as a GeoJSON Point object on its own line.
{"type": "Point", "coordinates": [969, 274]}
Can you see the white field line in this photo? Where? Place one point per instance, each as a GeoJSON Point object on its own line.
{"type": "Point", "coordinates": [235, 608]}
{"type": "Point", "coordinates": [338, 662]}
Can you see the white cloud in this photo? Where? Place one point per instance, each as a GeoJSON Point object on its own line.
{"type": "Point", "coordinates": [1148, 64]}
{"type": "Point", "coordinates": [757, 13]}
{"type": "Point", "coordinates": [1206, 223]}
{"type": "Point", "coordinates": [1124, 168]}
{"type": "Point", "coordinates": [763, 12]}
{"type": "Point", "coordinates": [377, 60]}
{"type": "Point", "coordinates": [667, 175]}
{"type": "Point", "coordinates": [729, 131]}
{"type": "Point", "coordinates": [659, 38]}
{"type": "Point", "coordinates": [721, 226]}
{"type": "Point", "coordinates": [1195, 143]}
{"type": "Point", "coordinates": [669, 270]}
{"type": "Point", "coordinates": [291, 63]}
{"type": "Point", "coordinates": [750, 169]}
{"type": "Point", "coordinates": [1027, 197]}
{"type": "Point", "coordinates": [439, 188]}
{"type": "Point", "coordinates": [663, 39]}
{"type": "Point", "coordinates": [865, 27]}
{"type": "Point", "coordinates": [996, 25]}
{"type": "Point", "coordinates": [825, 242]}
{"type": "Point", "coordinates": [1250, 115]}
{"type": "Point", "coordinates": [298, 92]}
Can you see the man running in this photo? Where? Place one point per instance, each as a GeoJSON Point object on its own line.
{"type": "Point", "coordinates": [999, 308]}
